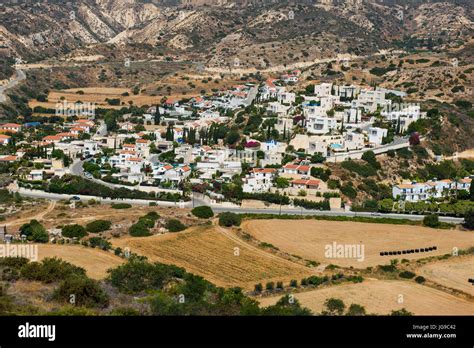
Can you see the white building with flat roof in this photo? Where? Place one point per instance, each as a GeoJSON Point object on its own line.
{"type": "Point", "coordinates": [376, 135]}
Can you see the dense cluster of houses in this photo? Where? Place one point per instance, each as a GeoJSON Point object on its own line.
{"type": "Point", "coordinates": [332, 119]}
{"type": "Point", "coordinates": [338, 118]}
{"type": "Point", "coordinates": [434, 189]}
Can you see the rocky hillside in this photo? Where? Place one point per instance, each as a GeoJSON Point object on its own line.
{"type": "Point", "coordinates": [257, 34]}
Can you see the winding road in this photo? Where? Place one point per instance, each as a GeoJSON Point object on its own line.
{"type": "Point", "coordinates": [20, 76]}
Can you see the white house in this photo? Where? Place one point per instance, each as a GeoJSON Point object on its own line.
{"type": "Point", "coordinates": [353, 141]}
{"type": "Point", "coordinates": [296, 169]}
{"type": "Point", "coordinates": [323, 89]}
{"type": "Point", "coordinates": [414, 192]}
{"type": "Point", "coordinates": [406, 115]}
{"type": "Point", "coordinates": [278, 108]}
{"type": "Point", "coordinates": [259, 180]}
{"type": "Point", "coordinates": [376, 135]}
{"type": "Point", "coordinates": [286, 98]}
{"type": "Point", "coordinates": [320, 125]}
{"type": "Point", "coordinates": [91, 148]}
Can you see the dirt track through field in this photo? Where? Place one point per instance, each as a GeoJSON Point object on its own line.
{"type": "Point", "coordinates": [309, 239]}
{"type": "Point", "coordinates": [208, 252]}
{"type": "Point", "coordinates": [39, 216]}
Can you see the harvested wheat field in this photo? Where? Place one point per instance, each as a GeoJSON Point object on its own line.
{"type": "Point", "coordinates": [96, 262]}
{"type": "Point", "coordinates": [382, 296]}
{"type": "Point", "coordinates": [208, 252]}
{"type": "Point", "coordinates": [308, 238]}
{"type": "Point", "coordinates": [453, 273]}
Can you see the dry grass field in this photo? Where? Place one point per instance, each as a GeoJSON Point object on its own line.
{"type": "Point", "coordinates": [453, 273]}
{"type": "Point", "coordinates": [382, 296]}
{"type": "Point", "coordinates": [205, 251]}
{"type": "Point", "coordinates": [96, 262]}
{"type": "Point", "coordinates": [308, 238]}
{"type": "Point", "coordinates": [97, 95]}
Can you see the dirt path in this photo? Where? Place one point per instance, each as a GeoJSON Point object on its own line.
{"type": "Point", "coordinates": [257, 250]}
{"type": "Point", "coordinates": [39, 216]}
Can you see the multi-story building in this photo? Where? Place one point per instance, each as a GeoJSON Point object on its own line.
{"type": "Point", "coordinates": [259, 180]}
{"type": "Point", "coordinates": [414, 192]}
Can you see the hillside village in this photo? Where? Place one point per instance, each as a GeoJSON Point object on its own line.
{"type": "Point", "coordinates": [253, 142]}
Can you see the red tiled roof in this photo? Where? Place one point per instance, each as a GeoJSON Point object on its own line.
{"type": "Point", "coordinates": [264, 170]}
{"type": "Point", "coordinates": [306, 182]}
{"type": "Point", "coordinates": [8, 158]}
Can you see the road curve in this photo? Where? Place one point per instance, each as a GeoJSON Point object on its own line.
{"type": "Point", "coordinates": [20, 76]}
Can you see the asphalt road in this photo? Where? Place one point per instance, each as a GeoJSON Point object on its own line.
{"type": "Point", "coordinates": [77, 169]}
{"type": "Point", "coordinates": [20, 76]}
{"type": "Point", "coordinates": [299, 211]}
{"type": "Point", "coordinates": [58, 197]}
{"type": "Point", "coordinates": [218, 209]}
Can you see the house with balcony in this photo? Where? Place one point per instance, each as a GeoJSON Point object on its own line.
{"type": "Point", "coordinates": [259, 180]}
{"type": "Point", "coordinates": [414, 192]}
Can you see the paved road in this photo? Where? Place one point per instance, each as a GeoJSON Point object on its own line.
{"type": "Point", "coordinates": [219, 209]}
{"type": "Point", "coordinates": [301, 211]}
{"type": "Point", "coordinates": [77, 169]}
{"type": "Point", "coordinates": [101, 130]}
{"type": "Point", "coordinates": [251, 96]}
{"type": "Point", "coordinates": [398, 142]}
{"type": "Point", "coordinates": [58, 197]}
{"type": "Point", "coordinates": [20, 76]}
{"type": "Point", "coordinates": [297, 211]}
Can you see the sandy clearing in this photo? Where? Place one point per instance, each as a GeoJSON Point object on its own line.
{"type": "Point", "coordinates": [382, 296]}
{"type": "Point", "coordinates": [207, 252]}
{"type": "Point", "coordinates": [96, 262]}
{"type": "Point", "coordinates": [308, 239]}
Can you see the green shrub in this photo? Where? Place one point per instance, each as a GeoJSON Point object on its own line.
{"type": "Point", "coordinates": [401, 313]}
{"type": "Point", "coordinates": [469, 218]}
{"type": "Point", "coordinates": [121, 206]}
{"type": "Point", "coordinates": [101, 243]}
{"type": "Point", "coordinates": [98, 226]}
{"type": "Point", "coordinates": [35, 231]}
{"type": "Point", "coordinates": [139, 230]}
{"type": "Point", "coordinates": [356, 310]}
{"type": "Point", "coordinates": [349, 191]}
{"type": "Point", "coordinates": [74, 231]}
{"type": "Point", "coordinates": [174, 225]}
{"type": "Point", "coordinates": [431, 220]}
{"type": "Point", "coordinates": [136, 276]}
{"type": "Point", "coordinates": [14, 262]}
{"type": "Point", "coordinates": [149, 223]}
{"type": "Point", "coordinates": [258, 287]}
{"type": "Point", "coordinates": [420, 279]}
{"type": "Point", "coordinates": [294, 283]}
{"type": "Point", "coordinates": [406, 274]}
{"type": "Point", "coordinates": [153, 215]}
{"type": "Point", "coordinates": [203, 212]}
{"type": "Point", "coordinates": [363, 170]}
{"type": "Point", "coordinates": [84, 291]}
{"type": "Point", "coordinates": [334, 306]}
{"type": "Point", "coordinates": [229, 219]}
{"type": "Point", "coordinates": [50, 270]}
